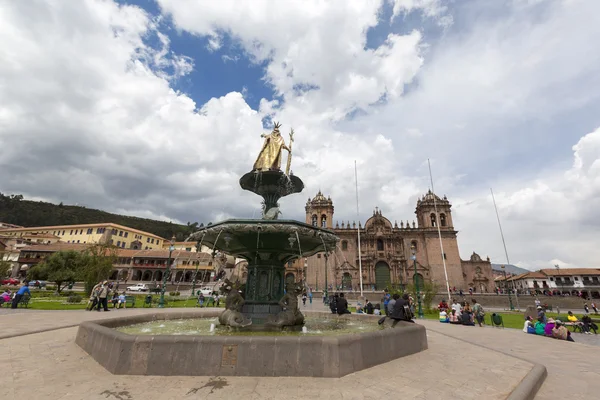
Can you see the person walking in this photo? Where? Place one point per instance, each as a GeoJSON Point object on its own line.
{"type": "Point", "coordinates": [310, 297]}
{"type": "Point", "coordinates": [586, 308]}
{"type": "Point", "coordinates": [103, 292]}
{"type": "Point", "coordinates": [594, 308]}
{"type": "Point", "coordinates": [478, 312]}
{"type": "Point", "coordinates": [19, 295]}
{"type": "Point", "coordinates": [304, 299]}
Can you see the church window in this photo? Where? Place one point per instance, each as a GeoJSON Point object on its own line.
{"type": "Point", "coordinates": [314, 220]}
{"type": "Point", "coordinates": [414, 244]}
{"type": "Point", "coordinates": [379, 245]}
{"type": "Point", "coordinates": [323, 221]}
{"type": "Point", "coordinates": [443, 219]}
{"type": "Point", "coordinates": [433, 220]}
{"type": "Point", "coordinates": [344, 245]}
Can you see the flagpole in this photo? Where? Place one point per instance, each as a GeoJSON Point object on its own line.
{"type": "Point", "coordinates": [504, 244]}
{"type": "Point", "coordinates": [437, 218]}
{"type": "Point", "coordinates": [358, 217]}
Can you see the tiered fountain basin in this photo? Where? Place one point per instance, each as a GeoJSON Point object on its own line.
{"type": "Point", "coordinates": [190, 350]}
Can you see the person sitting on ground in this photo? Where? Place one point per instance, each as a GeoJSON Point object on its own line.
{"type": "Point", "coordinates": [559, 331]}
{"type": "Point", "coordinates": [466, 318]}
{"type": "Point", "coordinates": [443, 316]}
{"type": "Point", "coordinates": [549, 326]}
{"type": "Point", "coordinates": [342, 305]}
{"type": "Point", "coordinates": [539, 327]}
{"type": "Point", "coordinates": [6, 296]}
{"type": "Point", "coordinates": [368, 307]}
{"type": "Point", "coordinates": [527, 324]}
{"type": "Point", "coordinates": [443, 306]}
{"type": "Point", "coordinates": [456, 307]}
{"type": "Point", "coordinates": [359, 307]}
{"type": "Point", "coordinates": [453, 318]}
{"type": "Point", "coordinates": [377, 309]}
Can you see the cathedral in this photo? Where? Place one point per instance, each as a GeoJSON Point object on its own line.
{"type": "Point", "coordinates": [386, 251]}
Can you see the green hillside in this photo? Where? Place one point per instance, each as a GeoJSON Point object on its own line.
{"type": "Point", "coordinates": [16, 210]}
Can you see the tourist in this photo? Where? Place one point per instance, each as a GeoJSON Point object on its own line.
{"type": "Point", "coordinates": [342, 305]}
{"type": "Point", "coordinates": [594, 308]}
{"type": "Point", "coordinates": [377, 309]}
{"type": "Point", "coordinates": [122, 300]}
{"type": "Point", "coordinates": [466, 318]}
{"type": "Point", "coordinates": [443, 316]}
{"type": "Point", "coordinates": [560, 331]}
{"type": "Point", "coordinates": [586, 308]}
{"type": "Point", "coordinates": [385, 300]}
{"type": "Point", "coordinates": [368, 307]}
{"type": "Point", "coordinates": [5, 297]}
{"type": "Point", "coordinates": [103, 292]}
{"type": "Point", "coordinates": [390, 305]}
{"type": "Point", "coordinates": [588, 325]}
{"type": "Point", "coordinates": [549, 326]}
{"type": "Point", "coordinates": [541, 314]}
{"type": "Point", "coordinates": [478, 312]}
{"type": "Point", "coordinates": [201, 299]}
{"type": "Point", "coordinates": [443, 306]}
{"type": "Point", "coordinates": [22, 290]}
{"type": "Point", "coordinates": [456, 307]}
{"type": "Point", "coordinates": [401, 310]}
{"type": "Point", "coordinates": [571, 317]}
{"type": "Point", "coordinates": [528, 327]}
{"type": "Point", "coordinates": [304, 299]}
{"type": "Point", "coordinates": [94, 296]}
{"type": "Point", "coordinates": [333, 303]}
{"type": "Point", "coordinates": [454, 318]}
{"type": "Point", "coordinates": [310, 296]}
{"type": "Point", "coordinates": [538, 303]}
{"type": "Point", "coordinates": [540, 327]}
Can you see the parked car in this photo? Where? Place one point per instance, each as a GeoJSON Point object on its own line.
{"type": "Point", "coordinates": [138, 287]}
{"type": "Point", "coordinates": [207, 291]}
{"type": "Point", "coordinates": [10, 281]}
{"type": "Point", "coordinates": [37, 284]}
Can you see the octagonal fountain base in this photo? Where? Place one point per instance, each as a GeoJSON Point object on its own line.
{"type": "Point", "coordinates": [181, 355]}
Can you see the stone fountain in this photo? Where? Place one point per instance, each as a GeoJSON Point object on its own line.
{"type": "Point", "coordinates": [267, 244]}
{"type": "Point", "coordinates": [122, 347]}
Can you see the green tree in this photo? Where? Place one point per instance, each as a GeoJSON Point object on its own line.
{"type": "Point", "coordinates": [62, 268]}
{"type": "Point", "coordinates": [97, 263]}
{"type": "Point", "coordinates": [427, 290]}
{"type": "Point", "coordinates": [5, 267]}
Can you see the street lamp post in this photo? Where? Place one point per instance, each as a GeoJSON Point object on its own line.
{"type": "Point", "coordinates": [510, 303]}
{"type": "Point", "coordinates": [161, 302]}
{"type": "Point", "coordinates": [413, 256]}
{"type": "Point", "coordinates": [562, 284]}
{"type": "Point", "coordinates": [325, 292]}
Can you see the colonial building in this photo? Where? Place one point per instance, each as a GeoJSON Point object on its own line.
{"type": "Point", "coordinates": [118, 235]}
{"type": "Point", "coordinates": [386, 251]}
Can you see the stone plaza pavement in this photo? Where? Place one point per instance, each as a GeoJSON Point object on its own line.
{"type": "Point", "coordinates": [461, 363]}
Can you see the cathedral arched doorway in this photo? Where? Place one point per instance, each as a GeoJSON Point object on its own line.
{"type": "Point", "coordinates": [418, 279]}
{"type": "Point", "coordinates": [382, 275]}
{"type": "Point", "coordinates": [347, 281]}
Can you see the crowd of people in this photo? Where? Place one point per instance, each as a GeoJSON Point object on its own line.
{"type": "Point", "coordinates": [461, 313]}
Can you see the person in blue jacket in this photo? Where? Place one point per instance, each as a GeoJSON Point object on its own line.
{"type": "Point", "coordinates": [22, 290]}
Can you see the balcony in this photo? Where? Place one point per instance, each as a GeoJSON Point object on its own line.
{"type": "Point", "coordinates": [29, 260]}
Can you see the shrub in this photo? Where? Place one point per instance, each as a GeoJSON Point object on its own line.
{"type": "Point", "coordinates": [174, 294]}
{"type": "Point", "coordinates": [74, 298]}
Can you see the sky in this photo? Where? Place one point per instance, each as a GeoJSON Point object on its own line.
{"type": "Point", "coordinates": [155, 109]}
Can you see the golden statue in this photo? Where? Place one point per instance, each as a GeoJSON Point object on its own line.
{"type": "Point", "coordinates": [269, 157]}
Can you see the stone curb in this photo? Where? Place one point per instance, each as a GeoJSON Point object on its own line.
{"type": "Point", "coordinates": [529, 386]}
{"type": "Point", "coordinates": [54, 328]}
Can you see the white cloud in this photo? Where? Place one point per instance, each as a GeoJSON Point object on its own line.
{"type": "Point", "coordinates": [88, 111]}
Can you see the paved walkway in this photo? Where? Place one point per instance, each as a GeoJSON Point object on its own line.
{"type": "Point", "coordinates": [573, 370]}
{"type": "Point", "coordinates": [51, 365]}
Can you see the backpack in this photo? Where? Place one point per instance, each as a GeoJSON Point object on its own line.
{"type": "Point", "coordinates": [480, 311]}
{"type": "Point", "coordinates": [408, 315]}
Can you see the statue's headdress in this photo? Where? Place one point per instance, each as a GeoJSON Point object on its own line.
{"type": "Point", "coordinates": [276, 126]}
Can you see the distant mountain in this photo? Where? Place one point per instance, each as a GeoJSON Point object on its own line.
{"type": "Point", "coordinates": [510, 269]}
{"type": "Point", "coordinates": [15, 210]}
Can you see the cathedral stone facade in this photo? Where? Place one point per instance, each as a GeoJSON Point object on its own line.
{"type": "Point", "coordinates": [386, 251]}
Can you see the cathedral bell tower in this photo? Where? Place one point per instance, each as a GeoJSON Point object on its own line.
{"type": "Point", "coordinates": [319, 211]}
{"type": "Point", "coordinates": [426, 216]}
